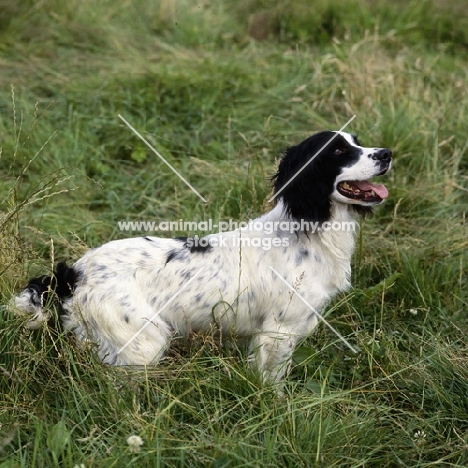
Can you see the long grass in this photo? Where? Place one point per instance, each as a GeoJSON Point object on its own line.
{"type": "Point", "coordinates": [219, 88]}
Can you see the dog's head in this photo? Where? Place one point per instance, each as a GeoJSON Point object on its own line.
{"type": "Point", "coordinates": [330, 167]}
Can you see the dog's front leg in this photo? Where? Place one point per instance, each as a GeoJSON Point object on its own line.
{"type": "Point", "coordinates": [272, 351]}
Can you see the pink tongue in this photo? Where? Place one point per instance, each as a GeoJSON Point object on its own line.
{"type": "Point", "coordinates": [380, 190]}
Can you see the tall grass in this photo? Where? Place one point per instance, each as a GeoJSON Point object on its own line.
{"type": "Point", "coordinates": [220, 88]}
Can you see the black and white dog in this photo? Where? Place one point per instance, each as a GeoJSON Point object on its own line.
{"type": "Point", "coordinates": [131, 296]}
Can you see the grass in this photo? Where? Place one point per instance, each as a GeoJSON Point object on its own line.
{"type": "Point", "coordinates": [220, 88]}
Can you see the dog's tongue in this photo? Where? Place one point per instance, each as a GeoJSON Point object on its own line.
{"type": "Point", "coordinates": [366, 186]}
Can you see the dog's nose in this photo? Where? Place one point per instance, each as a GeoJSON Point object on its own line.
{"type": "Point", "coordinates": [383, 154]}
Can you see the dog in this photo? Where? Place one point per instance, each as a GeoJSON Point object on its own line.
{"type": "Point", "coordinates": [130, 296]}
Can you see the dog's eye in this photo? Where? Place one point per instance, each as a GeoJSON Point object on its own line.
{"type": "Point", "coordinates": [338, 151]}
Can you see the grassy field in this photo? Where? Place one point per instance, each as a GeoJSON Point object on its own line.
{"type": "Point", "coordinates": [220, 88]}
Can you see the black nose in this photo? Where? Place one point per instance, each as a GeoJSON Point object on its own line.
{"type": "Point", "coordinates": [383, 154]}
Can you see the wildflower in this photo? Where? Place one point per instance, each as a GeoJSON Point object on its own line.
{"type": "Point", "coordinates": [419, 436]}
{"type": "Point", "coordinates": [413, 312]}
{"type": "Point", "coordinates": [134, 443]}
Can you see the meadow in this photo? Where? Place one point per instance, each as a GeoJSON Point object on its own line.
{"type": "Point", "coordinates": [220, 88]}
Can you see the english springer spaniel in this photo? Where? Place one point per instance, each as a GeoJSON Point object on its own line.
{"type": "Point", "coordinates": [131, 296]}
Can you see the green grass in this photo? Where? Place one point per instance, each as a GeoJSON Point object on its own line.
{"type": "Point", "coordinates": [220, 88]}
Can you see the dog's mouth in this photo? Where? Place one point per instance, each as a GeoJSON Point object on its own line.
{"type": "Point", "coordinates": [363, 190]}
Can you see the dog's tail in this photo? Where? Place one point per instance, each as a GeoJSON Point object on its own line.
{"type": "Point", "coordinates": [43, 292]}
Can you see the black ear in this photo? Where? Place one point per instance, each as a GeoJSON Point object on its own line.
{"type": "Point", "coordinates": [305, 194]}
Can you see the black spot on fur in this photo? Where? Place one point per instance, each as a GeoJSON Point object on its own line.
{"type": "Point", "coordinates": [187, 274]}
{"type": "Point", "coordinates": [200, 248]}
{"type": "Point", "coordinates": [301, 255]}
{"type": "Point", "coordinates": [195, 244]}
{"type": "Point", "coordinates": [171, 255]}
{"type": "Point", "coordinates": [127, 318]}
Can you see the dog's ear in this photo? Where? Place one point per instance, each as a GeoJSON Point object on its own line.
{"type": "Point", "coordinates": [305, 193]}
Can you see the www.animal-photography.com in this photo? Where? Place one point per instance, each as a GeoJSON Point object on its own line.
{"type": "Point", "coordinates": [233, 233]}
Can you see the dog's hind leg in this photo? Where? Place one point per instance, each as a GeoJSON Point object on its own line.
{"type": "Point", "coordinates": [144, 346]}
{"type": "Point", "coordinates": [124, 334]}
